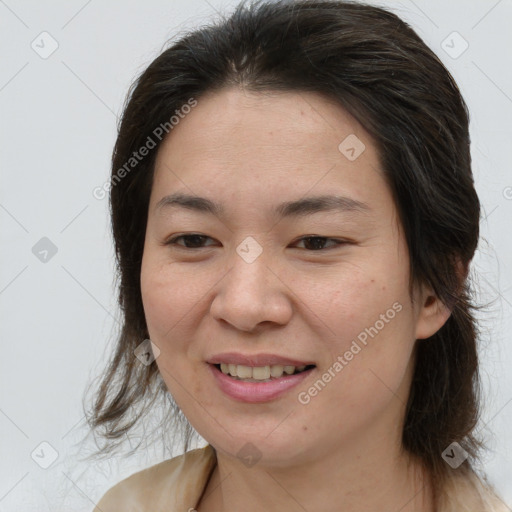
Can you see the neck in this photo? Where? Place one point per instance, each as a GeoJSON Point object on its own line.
{"type": "Point", "coordinates": [379, 477]}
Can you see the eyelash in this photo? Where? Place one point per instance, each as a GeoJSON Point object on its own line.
{"type": "Point", "coordinates": [173, 241]}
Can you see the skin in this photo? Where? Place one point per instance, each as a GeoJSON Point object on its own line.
{"type": "Point", "coordinates": [250, 152]}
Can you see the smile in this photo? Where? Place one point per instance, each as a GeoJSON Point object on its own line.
{"type": "Point", "coordinates": [259, 373]}
{"type": "Point", "coordinates": [260, 383]}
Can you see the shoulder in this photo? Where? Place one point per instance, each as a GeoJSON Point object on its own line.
{"type": "Point", "coordinates": [468, 492]}
{"type": "Point", "coordinates": [176, 483]}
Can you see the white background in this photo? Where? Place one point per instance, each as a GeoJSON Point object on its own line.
{"type": "Point", "coordinates": [58, 127]}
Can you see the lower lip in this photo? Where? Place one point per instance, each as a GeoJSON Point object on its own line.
{"type": "Point", "coordinates": [254, 392]}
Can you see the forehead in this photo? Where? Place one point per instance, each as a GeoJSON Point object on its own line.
{"type": "Point", "coordinates": [268, 145]}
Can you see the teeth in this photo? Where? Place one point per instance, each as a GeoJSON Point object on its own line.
{"type": "Point", "coordinates": [244, 372]}
{"type": "Point", "coordinates": [258, 372]}
{"type": "Point", "coordinates": [276, 371]}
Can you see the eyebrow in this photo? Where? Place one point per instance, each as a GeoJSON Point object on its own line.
{"type": "Point", "coordinates": [297, 208]}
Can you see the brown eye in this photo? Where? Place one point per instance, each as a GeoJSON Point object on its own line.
{"type": "Point", "coordinates": [317, 243]}
{"type": "Point", "coordinates": [191, 241]}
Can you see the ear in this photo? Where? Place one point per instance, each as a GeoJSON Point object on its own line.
{"type": "Point", "coordinates": [432, 313]}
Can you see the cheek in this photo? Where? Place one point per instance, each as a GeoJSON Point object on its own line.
{"type": "Point", "coordinates": [173, 304]}
{"type": "Point", "coordinates": [367, 367]}
{"type": "Point", "coordinates": [369, 324]}
{"type": "Point", "coordinates": [352, 302]}
{"type": "Point", "coordinates": [157, 301]}
{"type": "Point", "coordinates": [168, 296]}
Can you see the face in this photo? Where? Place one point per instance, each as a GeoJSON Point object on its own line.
{"type": "Point", "coordinates": [305, 301]}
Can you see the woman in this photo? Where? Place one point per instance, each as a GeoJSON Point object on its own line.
{"type": "Point", "coordinates": [294, 217]}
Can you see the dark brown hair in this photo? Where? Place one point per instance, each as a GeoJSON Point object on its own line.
{"type": "Point", "coordinates": [377, 68]}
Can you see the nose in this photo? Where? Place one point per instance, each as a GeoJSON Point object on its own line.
{"type": "Point", "coordinates": [252, 294]}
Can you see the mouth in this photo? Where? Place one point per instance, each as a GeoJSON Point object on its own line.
{"type": "Point", "coordinates": [258, 374]}
{"type": "Point", "coordinates": [256, 384]}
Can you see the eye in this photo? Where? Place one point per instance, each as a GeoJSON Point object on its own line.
{"type": "Point", "coordinates": [317, 243]}
{"type": "Point", "coordinates": [191, 241]}
{"type": "Point", "coordinates": [196, 241]}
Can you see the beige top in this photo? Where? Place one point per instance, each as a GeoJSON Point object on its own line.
{"type": "Point", "coordinates": [176, 485]}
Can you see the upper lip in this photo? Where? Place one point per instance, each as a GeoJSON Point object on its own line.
{"type": "Point", "coordinates": [256, 359]}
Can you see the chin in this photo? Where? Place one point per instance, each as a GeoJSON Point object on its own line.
{"type": "Point", "coordinates": [261, 448]}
